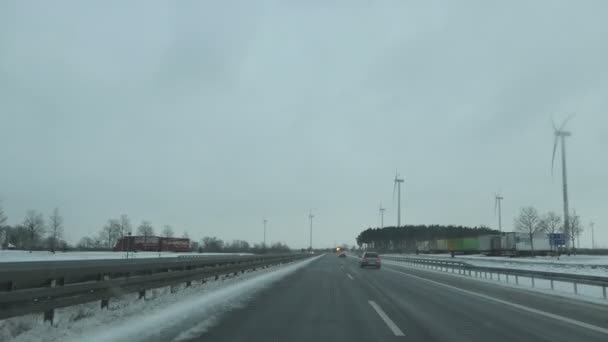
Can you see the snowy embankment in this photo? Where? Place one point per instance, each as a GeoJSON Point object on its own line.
{"type": "Point", "coordinates": [16, 256]}
{"type": "Point", "coordinates": [163, 316]}
{"type": "Point", "coordinates": [576, 264]}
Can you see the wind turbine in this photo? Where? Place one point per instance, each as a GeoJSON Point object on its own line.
{"type": "Point", "coordinates": [311, 216]}
{"type": "Point", "coordinates": [382, 216]}
{"type": "Point", "coordinates": [498, 207]}
{"type": "Point", "coordinates": [397, 186]}
{"type": "Point", "coordinates": [560, 137]}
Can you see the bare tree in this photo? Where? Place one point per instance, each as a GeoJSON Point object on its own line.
{"type": "Point", "coordinates": [551, 223]}
{"type": "Point", "coordinates": [576, 228]}
{"type": "Point", "coordinates": [110, 233]}
{"type": "Point", "coordinates": [528, 222]}
{"type": "Point", "coordinates": [145, 229]}
{"type": "Point", "coordinates": [167, 231]}
{"type": "Point", "coordinates": [3, 217]}
{"type": "Point", "coordinates": [86, 243]}
{"type": "Point", "coordinates": [3, 228]}
{"type": "Point", "coordinates": [34, 224]}
{"type": "Point", "coordinates": [55, 229]}
{"type": "Point", "coordinates": [212, 244]}
{"type": "Point", "coordinates": [125, 225]}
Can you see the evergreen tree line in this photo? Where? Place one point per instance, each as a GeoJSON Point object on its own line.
{"type": "Point", "coordinates": [405, 237]}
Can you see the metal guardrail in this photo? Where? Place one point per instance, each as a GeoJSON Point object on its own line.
{"type": "Point", "coordinates": [42, 287]}
{"type": "Point", "coordinates": [530, 262]}
{"type": "Point", "coordinates": [464, 268]}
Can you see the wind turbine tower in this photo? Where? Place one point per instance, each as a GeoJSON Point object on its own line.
{"type": "Point", "coordinates": [498, 207]}
{"type": "Point", "coordinates": [397, 186]}
{"type": "Point", "coordinates": [310, 216]}
{"type": "Point", "coordinates": [382, 216]}
{"type": "Point", "coordinates": [560, 138]}
{"type": "Point", "coordinates": [265, 222]}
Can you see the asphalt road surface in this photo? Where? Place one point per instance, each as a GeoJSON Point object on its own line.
{"type": "Point", "coordinates": [332, 299]}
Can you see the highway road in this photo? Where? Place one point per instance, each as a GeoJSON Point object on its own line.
{"type": "Point", "coordinates": [332, 299]}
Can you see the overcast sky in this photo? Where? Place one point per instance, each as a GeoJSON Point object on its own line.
{"type": "Point", "coordinates": [211, 115]}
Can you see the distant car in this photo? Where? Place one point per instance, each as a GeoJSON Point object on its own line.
{"type": "Point", "coordinates": [370, 259]}
{"type": "Point", "coordinates": [342, 255]}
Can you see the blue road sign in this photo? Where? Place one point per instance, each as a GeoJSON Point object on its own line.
{"type": "Point", "coordinates": [557, 239]}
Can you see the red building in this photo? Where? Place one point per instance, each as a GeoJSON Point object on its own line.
{"type": "Point", "coordinates": [153, 244]}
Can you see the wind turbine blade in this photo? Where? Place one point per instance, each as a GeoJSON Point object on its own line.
{"type": "Point", "coordinates": [554, 150]}
{"type": "Point", "coordinates": [566, 121]}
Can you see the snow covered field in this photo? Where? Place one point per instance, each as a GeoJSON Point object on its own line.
{"type": "Point", "coordinates": [162, 316]}
{"type": "Point", "coordinates": [13, 256]}
{"type": "Point", "coordinates": [579, 264]}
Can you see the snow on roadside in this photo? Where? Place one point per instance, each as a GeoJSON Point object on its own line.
{"type": "Point", "coordinates": [583, 265]}
{"type": "Point", "coordinates": [18, 256]}
{"type": "Point", "coordinates": [587, 293]}
{"type": "Point", "coordinates": [155, 318]}
{"type": "Point", "coordinates": [591, 260]}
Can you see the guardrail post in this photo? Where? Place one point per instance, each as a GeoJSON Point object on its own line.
{"type": "Point", "coordinates": [491, 276]}
{"type": "Point", "coordinates": [104, 301]}
{"type": "Point", "coordinates": [552, 284]}
{"type": "Point", "coordinates": [498, 276]}
{"type": "Point", "coordinates": [575, 288]}
{"type": "Point", "coordinates": [516, 279]}
{"type": "Point", "coordinates": [142, 294]}
{"type": "Point", "coordinates": [469, 273]}
{"type": "Point", "coordinates": [49, 315]}
{"type": "Point", "coordinates": [604, 291]}
{"type": "Point", "coordinates": [532, 280]}
{"type": "Point", "coordinates": [507, 276]}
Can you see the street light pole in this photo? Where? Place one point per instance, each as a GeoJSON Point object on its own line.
{"type": "Point", "coordinates": [265, 221]}
{"type": "Point", "coordinates": [311, 216]}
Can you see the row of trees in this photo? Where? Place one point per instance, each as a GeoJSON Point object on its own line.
{"type": "Point", "coordinates": [215, 245]}
{"type": "Point", "coordinates": [405, 238]}
{"type": "Point", "coordinates": [34, 232]}
{"type": "Point", "coordinates": [117, 228]}
{"type": "Point", "coordinates": [531, 222]}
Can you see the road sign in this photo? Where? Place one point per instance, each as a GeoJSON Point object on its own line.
{"type": "Point", "coordinates": [557, 239]}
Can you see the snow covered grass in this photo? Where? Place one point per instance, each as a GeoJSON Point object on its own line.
{"type": "Point", "coordinates": [580, 264]}
{"type": "Point", "coordinates": [15, 256]}
{"type": "Point", "coordinates": [162, 316]}
{"type": "Point", "coordinates": [563, 259]}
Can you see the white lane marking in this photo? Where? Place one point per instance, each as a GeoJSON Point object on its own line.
{"type": "Point", "coordinates": [351, 277]}
{"type": "Point", "coordinates": [514, 305]}
{"type": "Point", "coordinates": [391, 325]}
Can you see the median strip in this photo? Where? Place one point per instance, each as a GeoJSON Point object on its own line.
{"type": "Point", "coordinates": [389, 322]}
